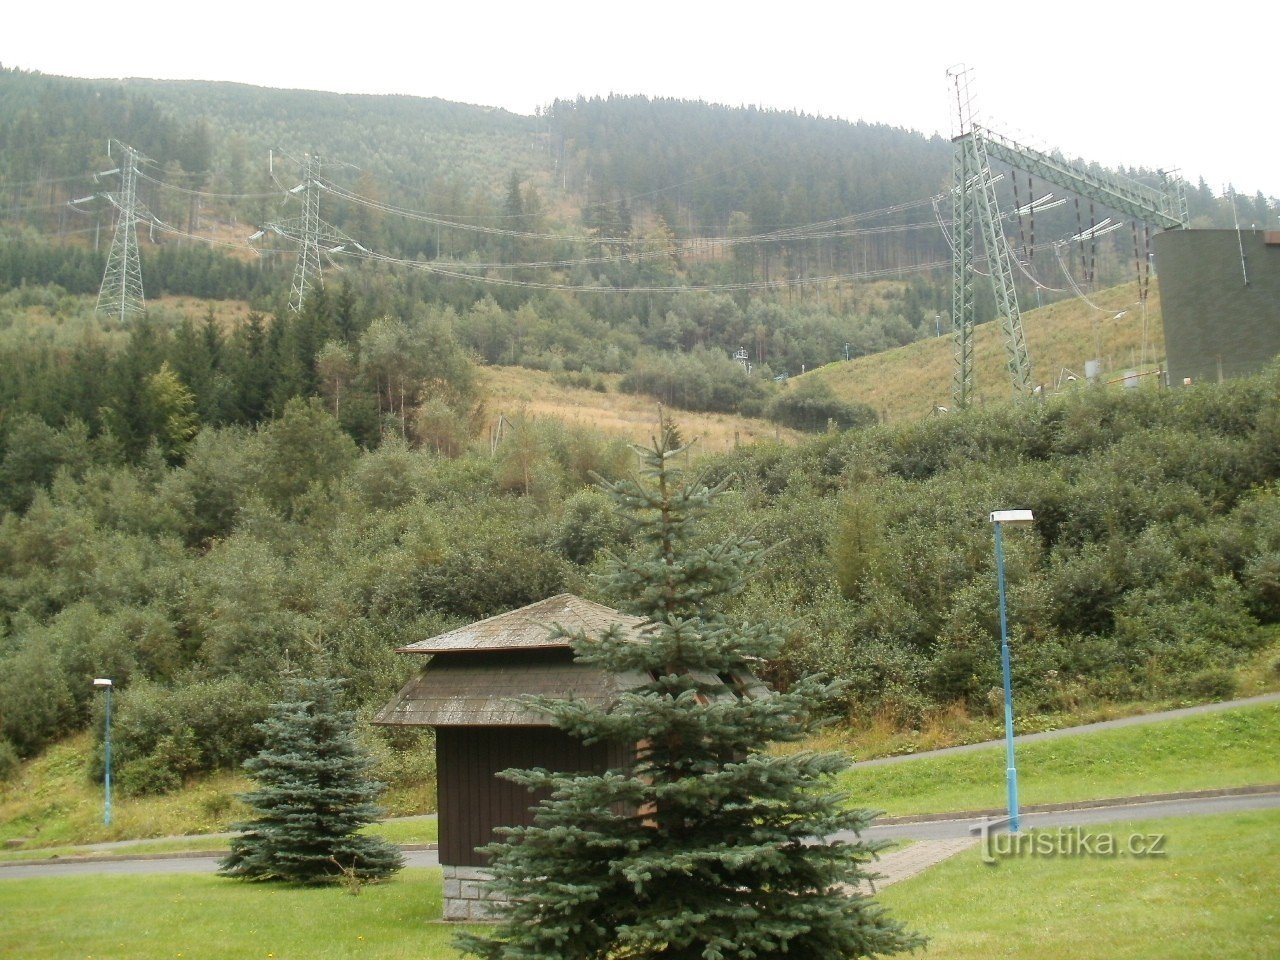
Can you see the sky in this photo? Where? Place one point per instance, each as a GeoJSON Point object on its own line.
{"type": "Point", "coordinates": [1116, 84]}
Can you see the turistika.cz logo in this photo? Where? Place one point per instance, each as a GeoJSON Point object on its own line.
{"type": "Point", "coordinates": [1065, 842]}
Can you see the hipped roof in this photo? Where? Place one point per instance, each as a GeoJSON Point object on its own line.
{"type": "Point", "coordinates": [476, 691]}
{"type": "Point", "coordinates": [530, 628]}
{"type": "Point", "coordinates": [481, 671]}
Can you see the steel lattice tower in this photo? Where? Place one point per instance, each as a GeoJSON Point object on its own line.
{"type": "Point", "coordinates": [974, 207]}
{"type": "Point", "coordinates": [307, 273]}
{"type": "Point", "coordinates": [309, 232]}
{"type": "Point", "coordinates": [121, 294]}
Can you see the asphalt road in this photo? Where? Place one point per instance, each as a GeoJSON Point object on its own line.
{"type": "Point", "coordinates": [933, 830]}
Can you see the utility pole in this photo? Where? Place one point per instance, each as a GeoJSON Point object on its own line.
{"type": "Point", "coordinates": [120, 295]}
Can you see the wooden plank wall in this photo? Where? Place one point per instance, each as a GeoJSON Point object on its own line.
{"type": "Point", "coordinates": [473, 801]}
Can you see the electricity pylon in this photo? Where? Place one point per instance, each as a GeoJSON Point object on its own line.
{"type": "Point", "coordinates": [974, 206]}
{"type": "Point", "coordinates": [974, 203]}
{"type": "Point", "coordinates": [309, 232]}
{"type": "Point", "coordinates": [121, 295]}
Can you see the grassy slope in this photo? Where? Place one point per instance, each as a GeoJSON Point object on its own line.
{"type": "Point", "coordinates": [1213, 895]}
{"type": "Point", "coordinates": [53, 803]}
{"type": "Point", "coordinates": [1228, 749]}
{"type": "Point", "coordinates": [906, 383]}
{"type": "Point", "coordinates": [512, 390]}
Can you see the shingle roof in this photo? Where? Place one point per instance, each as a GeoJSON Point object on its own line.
{"type": "Point", "coordinates": [529, 628]}
{"type": "Point", "coordinates": [483, 669]}
{"type": "Point", "coordinates": [462, 690]}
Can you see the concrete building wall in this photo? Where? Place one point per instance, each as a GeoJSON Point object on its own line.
{"type": "Point", "coordinates": [1216, 325]}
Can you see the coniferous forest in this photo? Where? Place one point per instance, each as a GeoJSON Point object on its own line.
{"type": "Point", "coordinates": [195, 506]}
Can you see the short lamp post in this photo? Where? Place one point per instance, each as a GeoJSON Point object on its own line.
{"type": "Point", "coordinates": [102, 683]}
{"type": "Point", "coordinates": [1002, 519]}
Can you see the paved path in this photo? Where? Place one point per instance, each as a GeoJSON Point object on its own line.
{"type": "Point", "coordinates": [939, 839]}
{"type": "Point", "coordinates": [916, 858]}
{"type": "Point", "coordinates": [1084, 728]}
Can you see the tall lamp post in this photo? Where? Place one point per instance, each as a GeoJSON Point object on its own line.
{"type": "Point", "coordinates": [1002, 519]}
{"type": "Point", "coordinates": [102, 683]}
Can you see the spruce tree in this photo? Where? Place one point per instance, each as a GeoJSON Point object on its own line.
{"type": "Point", "coordinates": [311, 798]}
{"type": "Point", "coordinates": [704, 845]}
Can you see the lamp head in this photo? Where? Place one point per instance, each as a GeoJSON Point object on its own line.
{"type": "Point", "coordinates": [1011, 518]}
{"type": "Point", "coordinates": [102, 683]}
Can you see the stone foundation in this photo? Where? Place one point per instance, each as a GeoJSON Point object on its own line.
{"type": "Point", "coordinates": [466, 894]}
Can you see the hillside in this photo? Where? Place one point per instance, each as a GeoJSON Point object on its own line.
{"type": "Point", "coordinates": [632, 194]}
{"type": "Point", "coordinates": [907, 383]}
{"type": "Point", "coordinates": [514, 391]}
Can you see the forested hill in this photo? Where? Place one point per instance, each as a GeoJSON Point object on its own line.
{"type": "Point", "coordinates": [701, 163]}
{"type": "Point", "coordinates": [410, 144]}
{"type": "Point", "coordinates": [790, 197]}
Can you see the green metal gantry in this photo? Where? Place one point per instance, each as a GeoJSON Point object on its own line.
{"type": "Point", "coordinates": [975, 207]}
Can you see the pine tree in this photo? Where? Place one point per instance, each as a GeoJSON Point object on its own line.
{"type": "Point", "coordinates": [704, 845]}
{"type": "Point", "coordinates": [311, 798]}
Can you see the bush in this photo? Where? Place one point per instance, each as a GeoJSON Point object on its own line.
{"type": "Point", "coordinates": [10, 762]}
{"type": "Point", "coordinates": [813, 407]}
{"type": "Point", "coordinates": [163, 734]}
{"type": "Point", "coordinates": [1214, 683]}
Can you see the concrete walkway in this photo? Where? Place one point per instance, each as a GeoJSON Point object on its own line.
{"type": "Point", "coordinates": [1135, 721]}
{"type": "Point", "coordinates": [915, 858]}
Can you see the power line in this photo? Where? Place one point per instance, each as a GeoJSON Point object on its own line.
{"type": "Point", "coordinates": [212, 196]}
{"type": "Point", "coordinates": [431, 267]}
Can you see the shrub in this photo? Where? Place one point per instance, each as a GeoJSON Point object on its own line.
{"type": "Point", "coordinates": [163, 734]}
{"type": "Point", "coordinates": [813, 407]}
{"type": "Point", "coordinates": [10, 762]}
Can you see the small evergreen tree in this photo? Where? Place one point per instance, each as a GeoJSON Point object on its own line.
{"type": "Point", "coordinates": [704, 845]}
{"type": "Point", "coordinates": [312, 797]}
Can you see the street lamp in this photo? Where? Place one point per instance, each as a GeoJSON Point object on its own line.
{"type": "Point", "coordinates": [1001, 519]}
{"type": "Point", "coordinates": [102, 683]}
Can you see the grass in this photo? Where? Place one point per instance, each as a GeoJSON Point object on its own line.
{"type": "Point", "coordinates": [1213, 895]}
{"type": "Point", "coordinates": [414, 831]}
{"type": "Point", "coordinates": [185, 916]}
{"type": "Point", "coordinates": [904, 384]}
{"type": "Point", "coordinates": [1228, 749]}
{"type": "Point", "coordinates": [53, 802]}
{"type": "Point", "coordinates": [512, 390]}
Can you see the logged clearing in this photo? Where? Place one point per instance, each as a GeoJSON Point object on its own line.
{"type": "Point", "coordinates": [515, 390]}
{"type": "Point", "coordinates": [1111, 326]}
{"type": "Point", "coordinates": [227, 314]}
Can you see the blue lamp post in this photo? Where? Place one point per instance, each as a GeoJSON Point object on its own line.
{"type": "Point", "coordinates": [1001, 519]}
{"type": "Point", "coordinates": [102, 683]}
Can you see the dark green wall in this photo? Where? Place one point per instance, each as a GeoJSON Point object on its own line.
{"type": "Point", "coordinates": [1216, 325]}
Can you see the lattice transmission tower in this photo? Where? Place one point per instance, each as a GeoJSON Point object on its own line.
{"type": "Point", "coordinates": [310, 233]}
{"type": "Point", "coordinates": [120, 295]}
{"type": "Point", "coordinates": [975, 208]}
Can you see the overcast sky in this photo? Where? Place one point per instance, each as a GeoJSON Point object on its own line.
{"type": "Point", "coordinates": [1120, 84]}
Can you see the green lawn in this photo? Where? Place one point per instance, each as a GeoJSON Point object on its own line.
{"type": "Point", "coordinates": [416, 831]}
{"type": "Point", "coordinates": [196, 917]}
{"type": "Point", "coordinates": [1228, 749]}
{"type": "Point", "coordinates": [1213, 895]}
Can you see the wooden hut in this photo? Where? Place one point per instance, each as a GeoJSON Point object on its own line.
{"type": "Point", "coordinates": [469, 692]}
